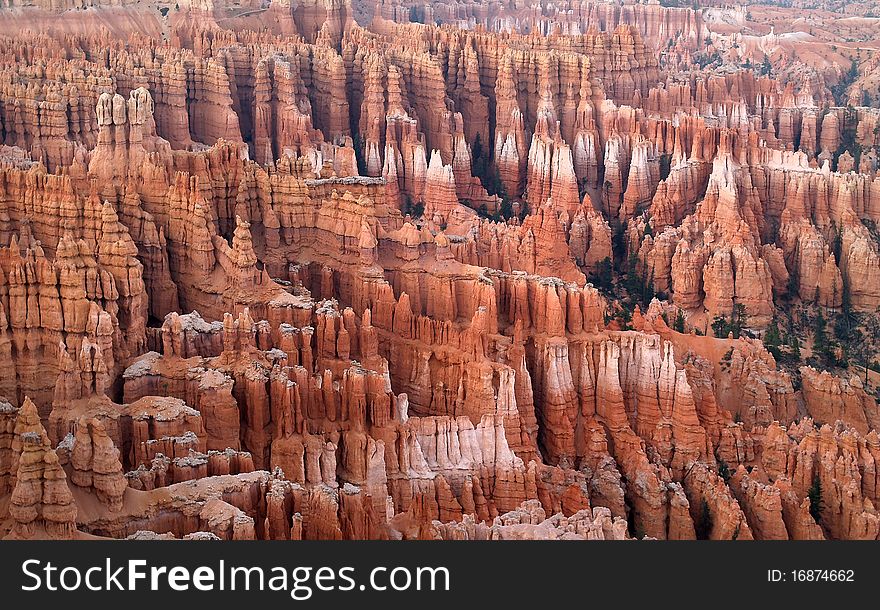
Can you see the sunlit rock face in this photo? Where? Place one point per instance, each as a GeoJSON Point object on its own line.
{"type": "Point", "coordinates": [332, 269]}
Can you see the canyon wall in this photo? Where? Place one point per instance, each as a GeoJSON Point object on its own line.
{"type": "Point", "coordinates": [316, 280]}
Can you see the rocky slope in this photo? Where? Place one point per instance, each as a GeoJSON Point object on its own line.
{"type": "Point", "coordinates": [278, 275]}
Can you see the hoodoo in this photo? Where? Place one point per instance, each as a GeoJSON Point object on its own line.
{"type": "Point", "coordinates": [397, 269]}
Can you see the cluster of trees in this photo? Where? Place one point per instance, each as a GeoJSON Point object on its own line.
{"type": "Point", "coordinates": [854, 337]}
{"type": "Point", "coordinates": [848, 141]}
{"type": "Point", "coordinates": [841, 339]}
{"type": "Point", "coordinates": [839, 90]}
{"type": "Point", "coordinates": [706, 59]}
{"type": "Point", "coordinates": [639, 286]}
{"type": "Point", "coordinates": [825, 349]}
{"type": "Point", "coordinates": [504, 211]}
{"type": "Point", "coordinates": [726, 360]}
{"type": "Point", "coordinates": [634, 288]}
{"type": "Point", "coordinates": [482, 168]}
{"type": "Point", "coordinates": [415, 210]}
{"type": "Point", "coordinates": [784, 345]}
{"type": "Point", "coordinates": [679, 325]}
{"type": "Point", "coordinates": [602, 276]}
{"type": "Point", "coordinates": [722, 327]}
{"type": "Point", "coordinates": [816, 503]}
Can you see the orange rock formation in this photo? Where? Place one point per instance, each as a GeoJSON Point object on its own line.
{"type": "Point", "coordinates": [285, 275]}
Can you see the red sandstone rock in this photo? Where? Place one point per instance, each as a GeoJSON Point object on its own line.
{"type": "Point", "coordinates": [41, 505]}
{"type": "Point", "coordinates": [829, 399]}
{"type": "Point", "coordinates": [291, 278]}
